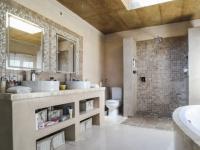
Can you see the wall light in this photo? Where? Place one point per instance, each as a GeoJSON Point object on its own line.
{"type": "Point", "coordinates": [135, 4]}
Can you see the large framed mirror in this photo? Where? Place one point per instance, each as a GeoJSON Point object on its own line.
{"type": "Point", "coordinates": [25, 44]}
{"type": "Point", "coordinates": [66, 55]}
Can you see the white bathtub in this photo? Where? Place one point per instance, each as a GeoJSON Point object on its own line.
{"type": "Point", "coordinates": [187, 127]}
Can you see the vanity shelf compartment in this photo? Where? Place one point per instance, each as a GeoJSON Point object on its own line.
{"type": "Point", "coordinates": [51, 129]}
{"type": "Point", "coordinates": [68, 133]}
{"type": "Point", "coordinates": [88, 105]}
{"type": "Point", "coordinates": [89, 123]}
{"type": "Point", "coordinates": [85, 125]}
{"type": "Point", "coordinates": [85, 115]}
{"type": "Point", "coordinates": [51, 142]}
{"type": "Point", "coordinates": [54, 115]}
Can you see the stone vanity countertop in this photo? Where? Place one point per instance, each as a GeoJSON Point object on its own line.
{"type": "Point", "coordinates": [17, 97]}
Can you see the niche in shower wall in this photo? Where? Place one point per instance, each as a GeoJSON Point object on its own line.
{"type": "Point", "coordinates": [166, 85]}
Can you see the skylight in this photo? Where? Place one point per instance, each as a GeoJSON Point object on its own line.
{"type": "Point", "coordinates": [135, 4]}
{"type": "Point", "coordinates": [23, 26]}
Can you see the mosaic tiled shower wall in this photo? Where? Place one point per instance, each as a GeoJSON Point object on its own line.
{"type": "Point", "coordinates": [165, 86]}
{"type": "Point", "coordinates": [49, 42]}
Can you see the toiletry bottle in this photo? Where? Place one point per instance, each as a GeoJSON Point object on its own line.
{"type": "Point", "coordinates": [2, 85]}
{"type": "Point", "coordinates": [33, 75]}
{"type": "Point", "coordinates": [70, 112]}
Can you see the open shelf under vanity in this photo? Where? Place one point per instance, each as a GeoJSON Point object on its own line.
{"type": "Point", "coordinates": [57, 124]}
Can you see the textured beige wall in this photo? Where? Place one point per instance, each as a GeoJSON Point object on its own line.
{"type": "Point", "coordinates": [92, 38]}
{"type": "Point", "coordinates": [114, 62]}
{"type": "Point", "coordinates": [130, 79]}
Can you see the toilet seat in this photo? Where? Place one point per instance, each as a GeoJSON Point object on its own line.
{"type": "Point", "coordinates": [113, 101]}
{"type": "Point", "coordinates": [112, 104]}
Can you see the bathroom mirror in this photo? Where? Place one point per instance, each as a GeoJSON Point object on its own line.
{"type": "Point", "coordinates": [66, 54]}
{"type": "Point", "coordinates": [25, 44]}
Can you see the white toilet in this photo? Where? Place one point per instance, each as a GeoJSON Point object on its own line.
{"type": "Point", "coordinates": [114, 103]}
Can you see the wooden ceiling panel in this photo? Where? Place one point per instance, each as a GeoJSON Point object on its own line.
{"type": "Point", "coordinates": [149, 16]}
{"type": "Point", "coordinates": [103, 23]}
{"type": "Point", "coordinates": [169, 16]}
{"type": "Point", "coordinates": [111, 16]}
{"type": "Point", "coordinates": [81, 7]}
{"type": "Point", "coordinates": [191, 9]}
{"type": "Point", "coordinates": [117, 20]}
{"type": "Point", "coordinates": [130, 18]}
{"type": "Point", "coordinates": [107, 5]}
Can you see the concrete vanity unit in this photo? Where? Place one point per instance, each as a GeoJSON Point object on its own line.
{"type": "Point", "coordinates": [18, 120]}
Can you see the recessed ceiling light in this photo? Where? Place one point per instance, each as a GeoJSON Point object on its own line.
{"type": "Point", "coordinates": [23, 26]}
{"type": "Point", "coordinates": [135, 4]}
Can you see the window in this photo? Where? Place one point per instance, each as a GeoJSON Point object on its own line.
{"type": "Point", "coordinates": [135, 4]}
{"type": "Point", "coordinates": [22, 60]}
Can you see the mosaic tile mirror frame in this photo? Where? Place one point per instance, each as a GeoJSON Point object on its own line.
{"type": "Point", "coordinates": [51, 29]}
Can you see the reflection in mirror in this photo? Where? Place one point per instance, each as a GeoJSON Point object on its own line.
{"type": "Point", "coordinates": [65, 55]}
{"type": "Point", "coordinates": [24, 44]}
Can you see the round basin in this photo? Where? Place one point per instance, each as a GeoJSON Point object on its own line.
{"type": "Point", "coordinates": [42, 86]}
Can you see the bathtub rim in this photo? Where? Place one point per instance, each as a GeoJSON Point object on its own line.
{"type": "Point", "coordinates": [184, 128]}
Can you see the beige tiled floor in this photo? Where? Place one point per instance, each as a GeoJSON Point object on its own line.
{"type": "Point", "coordinates": [115, 136]}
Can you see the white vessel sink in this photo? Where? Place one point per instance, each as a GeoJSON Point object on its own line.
{"type": "Point", "coordinates": [78, 84]}
{"type": "Point", "coordinates": [42, 86]}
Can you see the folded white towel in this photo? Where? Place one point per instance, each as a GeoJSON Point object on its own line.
{"type": "Point", "coordinates": [19, 89]}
